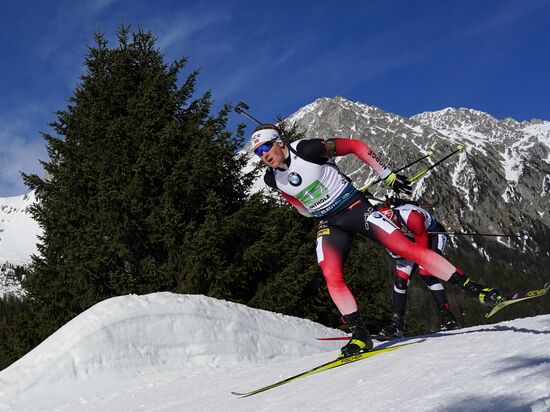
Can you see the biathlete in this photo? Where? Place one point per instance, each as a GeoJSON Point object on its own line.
{"type": "Point", "coordinates": [304, 173]}
{"type": "Point", "coordinates": [417, 223]}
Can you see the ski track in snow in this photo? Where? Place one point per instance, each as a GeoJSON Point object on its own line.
{"type": "Point", "coordinates": [168, 352]}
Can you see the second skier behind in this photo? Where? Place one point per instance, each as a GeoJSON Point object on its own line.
{"type": "Point", "coordinates": [416, 222]}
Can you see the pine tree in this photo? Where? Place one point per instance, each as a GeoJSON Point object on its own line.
{"type": "Point", "coordinates": [369, 273]}
{"type": "Point", "coordinates": [10, 308]}
{"type": "Point", "coordinates": [134, 166]}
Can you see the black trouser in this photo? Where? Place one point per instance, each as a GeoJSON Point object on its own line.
{"type": "Point", "coordinates": [334, 241]}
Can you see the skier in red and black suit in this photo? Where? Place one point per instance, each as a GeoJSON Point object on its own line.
{"type": "Point", "coordinates": [305, 175]}
{"type": "Point", "coordinates": [416, 222]}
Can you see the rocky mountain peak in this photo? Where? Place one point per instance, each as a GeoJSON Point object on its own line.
{"type": "Point", "coordinates": [499, 183]}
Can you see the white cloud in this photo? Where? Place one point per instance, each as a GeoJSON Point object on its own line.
{"type": "Point", "coordinates": [20, 151]}
{"type": "Point", "coordinates": [97, 6]}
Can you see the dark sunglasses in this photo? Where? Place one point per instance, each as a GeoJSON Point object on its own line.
{"type": "Point", "coordinates": [266, 147]}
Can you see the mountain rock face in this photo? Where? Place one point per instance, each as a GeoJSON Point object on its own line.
{"type": "Point", "coordinates": [499, 182]}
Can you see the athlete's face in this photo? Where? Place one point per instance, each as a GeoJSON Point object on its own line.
{"type": "Point", "coordinates": [275, 156]}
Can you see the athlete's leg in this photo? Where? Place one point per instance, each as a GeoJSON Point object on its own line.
{"type": "Point", "coordinates": [383, 231]}
{"type": "Point", "coordinates": [437, 243]}
{"type": "Point", "coordinates": [332, 249]}
{"type": "Point", "coordinates": [437, 290]}
{"type": "Point", "coordinates": [403, 270]}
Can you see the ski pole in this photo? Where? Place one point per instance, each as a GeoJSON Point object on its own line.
{"type": "Point", "coordinates": [370, 196]}
{"type": "Point", "coordinates": [241, 109]}
{"type": "Point", "coordinates": [477, 234]}
{"type": "Point", "coordinates": [428, 154]}
{"type": "Point", "coordinates": [423, 172]}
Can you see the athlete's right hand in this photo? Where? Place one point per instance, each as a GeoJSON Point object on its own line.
{"type": "Point", "coordinates": [398, 183]}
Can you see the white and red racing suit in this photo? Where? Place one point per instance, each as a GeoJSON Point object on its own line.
{"type": "Point", "coordinates": [417, 222]}
{"type": "Point", "coordinates": [311, 182]}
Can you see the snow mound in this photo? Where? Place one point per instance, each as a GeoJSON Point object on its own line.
{"type": "Point", "coordinates": [162, 329]}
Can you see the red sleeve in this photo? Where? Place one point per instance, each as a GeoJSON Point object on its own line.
{"type": "Point", "coordinates": [296, 203]}
{"type": "Point", "coordinates": [362, 151]}
{"type": "Point", "coordinates": [415, 223]}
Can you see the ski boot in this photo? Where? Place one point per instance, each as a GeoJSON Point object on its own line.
{"type": "Point", "coordinates": [448, 320]}
{"type": "Point", "coordinates": [360, 339]}
{"type": "Point", "coordinates": [487, 296]}
{"type": "Point", "coordinates": [395, 328]}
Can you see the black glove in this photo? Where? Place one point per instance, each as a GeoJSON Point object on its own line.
{"type": "Point", "coordinates": [398, 183]}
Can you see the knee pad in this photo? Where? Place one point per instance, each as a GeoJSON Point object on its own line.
{"type": "Point", "coordinates": [401, 284]}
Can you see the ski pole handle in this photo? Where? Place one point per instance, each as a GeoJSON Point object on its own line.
{"type": "Point", "coordinates": [428, 154]}
{"type": "Point", "coordinates": [241, 109]}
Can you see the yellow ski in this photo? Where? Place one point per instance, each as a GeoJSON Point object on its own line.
{"type": "Point", "coordinates": [518, 298]}
{"type": "Point", "coordinates": [326, 366]}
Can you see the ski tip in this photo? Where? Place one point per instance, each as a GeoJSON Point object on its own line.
{"type": "Point", "coordinates": [488, 315]}
{"type": "Point", "coordinates": [335, 338]}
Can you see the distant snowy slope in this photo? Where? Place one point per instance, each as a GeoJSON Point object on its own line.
{"type": "Point", "coordinates": [173, 353]}
{"type": "Point", "coordinates": [18, 230]}
{"type": "Point", "coordinates": [18, 238]}
{"type": "Point", "coordinates": [478, 129]}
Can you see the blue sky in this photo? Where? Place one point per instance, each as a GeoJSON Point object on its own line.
{"type": "Point", "coordinates": [405, 57]}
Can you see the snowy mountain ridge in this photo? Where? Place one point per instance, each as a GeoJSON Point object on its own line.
{"type": "Point", "coordinates": [172, 353]}
{"type": "Point", "coordinates": [479, 129]}
{"type": "Point", "coordinates": [499, 183]}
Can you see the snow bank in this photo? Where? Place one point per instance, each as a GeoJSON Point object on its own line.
{"type": "Point", "coordinates": [162, 330]}
{"type": "Point", "coordinates": [173, 353]}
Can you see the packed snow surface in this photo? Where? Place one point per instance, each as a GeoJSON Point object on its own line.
{"type": "Point", "coordinates": [173, 353]}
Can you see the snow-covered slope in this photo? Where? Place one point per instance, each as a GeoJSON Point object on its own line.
{"type": "Point", "coordinates": [134, 333]}
{"type": "Point", "coordinates": [480, 130]}
{"type": "Point", "coordinates": [18, 238]}
{"type": "Point", "coordinates": [173, 353]}
{"type": "Point", "coordinates": [18, 230]}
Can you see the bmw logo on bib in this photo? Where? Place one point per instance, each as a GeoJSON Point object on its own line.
{"type": "Point", "coordinates": [294, 179]}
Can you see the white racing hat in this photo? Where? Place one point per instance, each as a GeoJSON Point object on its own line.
{"type": "Point", "coordinates": [262, 136]}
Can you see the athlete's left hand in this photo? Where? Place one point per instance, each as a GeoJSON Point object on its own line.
{"type": "Point", "coordinates": [398, 183]}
